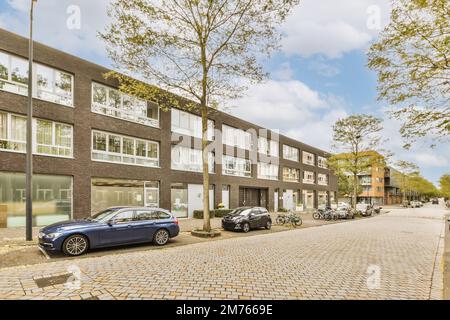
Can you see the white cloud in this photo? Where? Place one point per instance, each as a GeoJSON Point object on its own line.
{"type": "Point", "coordinates": [294, 109]}
{"type": "Point", "coordinates": [50, 24]}
{"type": "Point", "coordinates": [323, 68]}
{"type": "Point", "coordinates": [331, 27]}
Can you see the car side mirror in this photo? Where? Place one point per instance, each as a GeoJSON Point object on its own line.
{"type": "Point", "coordinates": [111, 223]}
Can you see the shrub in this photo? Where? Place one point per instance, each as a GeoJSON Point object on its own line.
{"type": "Point", "coordinates": [219, 213]}
{"type": "Point", "coordinates": [198, 214]}
{"type": "Point", "coordinates": [282, 210]}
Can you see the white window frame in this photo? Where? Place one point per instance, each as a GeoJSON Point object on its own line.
{"type": "Point", "coordinates": [322, 162]}
{"type": "Point", "coordinates": [308, 158]}
{"type": "Point", "coordinates": [322, 179]}
{"type": "Point", "coordinates": [235, 137]}
{"type": "Point", "coordinates": [133, 116]}
{"type": "Point", "coordinates": [307, 179]}
{"type": "Point", "coordinates": [22, 89]}
{"type": "Point", "coordinates": [268, 147]}
{"type": "Point", "coordinates": [191, 152]}
{"type": "Point", "coordinates": [267, 167]}
{"type": "Point", "coordinates": [236, 163]}
{"type": "Point", "coordinates": [9, 132]}
{"type": "Point", "coordinates": [288, 177]}
{"type": "Point", "coordinates": [191, 119]}
{"type": "Point", "coordinates": [35, 144]}
{"type": "Point", "coordinates": [121, 154]}
{"type": "Point", "coordinates": [34, 137]}
{"type": "Point", "coordinates": [288, 153]}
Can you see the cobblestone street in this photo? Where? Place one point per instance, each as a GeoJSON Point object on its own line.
{"type": "Point", "coordinates": [391, 256]}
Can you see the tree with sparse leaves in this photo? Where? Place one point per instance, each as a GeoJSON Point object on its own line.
{"type": "Point", "coordinates": [404, 173]}
{"type": "Point", "coordinates": [357, 139]}
{"type": "Point", "coordinates": [412, 59]}
{"type": "Point", "coordinates": [202, 50]}
{"type": "Point", "coordinates": [444, 183]}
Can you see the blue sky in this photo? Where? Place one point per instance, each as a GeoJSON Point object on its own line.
{"type": "Point", "coordinates": [317, 77]}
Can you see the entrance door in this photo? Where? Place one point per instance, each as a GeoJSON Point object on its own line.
{"type": "Point", "coordinates": [252, 197]}
{"type": "Point", "coordinates": [195, 198]}
{"type": "Point", "coordinates": [288, 199]}
{"type": "Point", "coordinates": [151, 194]}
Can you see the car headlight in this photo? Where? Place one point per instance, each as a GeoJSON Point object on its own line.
{"type": "Point", "coordinates": [53, 235]}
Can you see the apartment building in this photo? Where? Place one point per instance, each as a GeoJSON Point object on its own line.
{"type": "Point", "coordinates": [95, 147]}
{"type": "Point", "coordinates": [392, 185]}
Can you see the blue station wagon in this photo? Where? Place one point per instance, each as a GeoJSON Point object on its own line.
{"type": "Point", "coordinates": [111, 227]}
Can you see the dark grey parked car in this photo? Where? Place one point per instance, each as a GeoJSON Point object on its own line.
{"type": "Point", "coordinates": [247, 218]}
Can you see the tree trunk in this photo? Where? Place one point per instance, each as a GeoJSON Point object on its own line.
{"type": "Point", "coordinates": [206, 215]}
{"type": "Point", "coordinates": [355, 190]}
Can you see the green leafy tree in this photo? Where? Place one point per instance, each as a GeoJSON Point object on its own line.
{"type": "Point", "coordinates": [358, 139]}
{"type": "Point", "coordinates": [412, 59]}
{"type": "Point", "coordinates": [404, 172]}
{"type": "Point", "coordinates": [202, 50]}
{"type": "Point", "coordinates": [444, 183]}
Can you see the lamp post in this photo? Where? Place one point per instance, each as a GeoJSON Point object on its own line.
{"type": "Point", "coordinates": [29, 156]}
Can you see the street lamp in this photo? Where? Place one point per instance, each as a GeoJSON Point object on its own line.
{"type": "Point", "coordinates": [29, 157]}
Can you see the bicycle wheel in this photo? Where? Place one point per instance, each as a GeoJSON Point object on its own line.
{"type": "Point", "coordinates": [297, 222]}
{"type": "Point", "coordinates": [316, 216]}
{"type": "Point", "coordinates": [280, 220]}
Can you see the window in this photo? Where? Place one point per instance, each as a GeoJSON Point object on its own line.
{"type": "Point", "coordinates": [322, 162]}
{"type": "Point", "coordinates": [53, 138]}
{"type": "Point", "coordinates": [322, 179]}
{"type": "Point", "coordinates": [308, 158]}
{"type": "Point", "coordinates": [308, 177]}
{"type": "Point", "coordinates": [267, 171]}
{"type": "Point", "coordinates": [124, 217]}
{"type": "Point", "coordinates": [113, 103]}
{"type": "Point", "coordinates": [365, 180]}
{"type": "Point", "coordinates": [236, 137]}
{"type": "Point", "coordinates": [49, 84]}
{"type": "Point", "coordinates": [290, 153]}
{"type": "Point", "coordinates": [107, 193]}
{"type": "Point", "coordinates": [291, 174]}
{"type": "Point", "coordinates": [268, 147]}
{"type": "Point", "coordinates": [13, 132]}
{"type": "Point", "coordinates": [379, 180]}
{"type": "Point", "coordinates": [52, 198]}
{"type": "Point", "coordinates": [111, 147]}
{"type": "Point", "coordinates": [190, 124]}
{"type": "Point", "coordinates": [236, 166]}
{"type": "Point", "coordinates": [50, 138]}
{"type": "Point", "coordinates": [54, 85]}
{"type": "Point", "coordinates": [187, 159]}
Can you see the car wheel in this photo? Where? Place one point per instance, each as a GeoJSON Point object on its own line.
{"type": "Point", "coordinates": [268, 225]}
{"type": "Point", "coordinates": [246, 227]}
{"type": "Point", "coordinates": [161, 237]}
{"type": "Point", "coordinates": [75, 245]}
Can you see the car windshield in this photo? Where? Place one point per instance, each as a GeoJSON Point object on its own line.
{"type": "Point", "coordinates": [104, 215]}
{"type": "Point", "coordinates": [241, 211]}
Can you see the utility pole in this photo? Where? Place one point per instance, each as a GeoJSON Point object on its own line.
{"type": "Point", "coordinates": [29, 156]}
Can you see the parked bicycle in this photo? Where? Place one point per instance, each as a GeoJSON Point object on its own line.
{"type": "Point", "coordinates": [292, 218]}
{"type": "Point", "coordinates": [325, 214]}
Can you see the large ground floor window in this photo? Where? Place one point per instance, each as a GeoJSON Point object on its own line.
{"type": "Point", "coordinates": [52, 199]}
{"type": "Point", "coordinates": [186, 198]}
{"type": "Point", "coordinates": [322, 199]}
{"type": "Point", "coordinates": [107, 193]}
{"type": "Point", "coordinates": [308, 199]}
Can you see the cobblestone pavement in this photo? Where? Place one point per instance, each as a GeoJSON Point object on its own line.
{"type": "Point", "coordinates": [391, 256]}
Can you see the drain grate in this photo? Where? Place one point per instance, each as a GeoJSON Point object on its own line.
{"type": "Point", "coordinates": [51, 281]}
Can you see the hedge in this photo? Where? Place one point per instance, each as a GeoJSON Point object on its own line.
{"type": "Point", "coordinates": [217, 213]}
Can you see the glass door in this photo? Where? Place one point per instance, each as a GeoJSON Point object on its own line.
{"type": "Point", "coordinates": [151, 194]}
